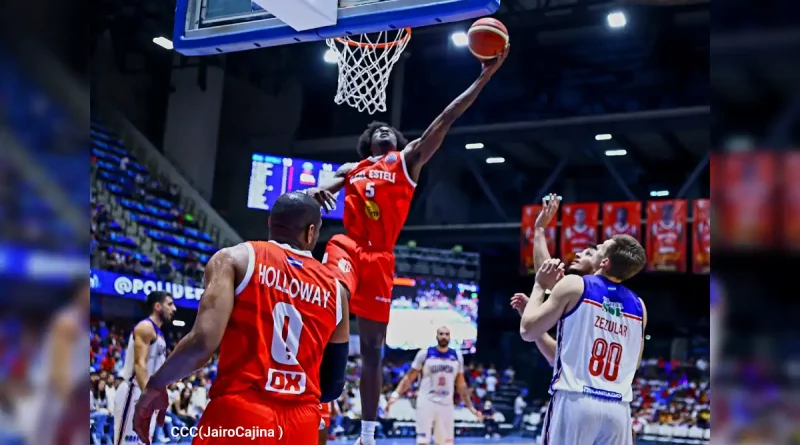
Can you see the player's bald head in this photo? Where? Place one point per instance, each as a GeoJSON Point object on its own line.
{"type": "Point", "coordinates": [295, 218]}
{"type": "Point", "coordinates": [443, 330]}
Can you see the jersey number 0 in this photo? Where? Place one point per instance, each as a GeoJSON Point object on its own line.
{"type": "Point", "coordinates": [286, 330]}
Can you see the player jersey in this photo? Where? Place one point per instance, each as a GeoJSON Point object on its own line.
{"type": "Point", "coordinates": [599, 341]}
{"type": "Point", "coordinates": [285, 311]}
{"type": "Point", "coordinates": [378, 195]}
{"type": "Point", "coordinates": [616, 229]}
{"type": "Point", "coordinates": [665, 237]}
{"type": "Point", "coordinates": [439, 371]}
{"type": "Point", "coordinates": [156, 354]}
{"type": "Point", "coordinates": [579, 239]}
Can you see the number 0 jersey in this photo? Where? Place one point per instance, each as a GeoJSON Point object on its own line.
{"type": "Point", "coordinates": [598, 342]}
{"type": "Point", "coordinates": [284, 313]}
{"type": "Point", "coordinates": [378, 196]}
{"type": "Point", "coordinates": [439, 372]}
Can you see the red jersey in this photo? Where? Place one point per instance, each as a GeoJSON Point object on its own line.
{"type": "Point", "coordinates": [285, 312]}
{"type": "Point", "coordinates": [625, 229]}
{"type": "Point", "coordinates": [576, 239]}
{"type": "Point", "coordinates": [378, 195]}
{"type": "Point", "coordinates": [704, 236]}
{"type": "Point", "coordinates": [665, 240]}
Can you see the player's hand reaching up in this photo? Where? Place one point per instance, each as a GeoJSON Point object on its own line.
{"type": "Point", "coordinates": [550, 205]}
{"type": "Point", "coordinates": [550, 273]}
{"type": "Point", "coordinates": [324, 198]}
{"type": "Point", "coordinates": [519, 301]}
{"type": "Point", "coordinates": [492, 65]}
{"type": "Point", "coordinates": [152, 400]}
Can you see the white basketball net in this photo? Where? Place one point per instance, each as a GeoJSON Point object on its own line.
{"type": "Point", "coordinates": [365, 64]}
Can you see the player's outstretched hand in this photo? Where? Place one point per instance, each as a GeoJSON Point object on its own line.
{"type": "Point", "coordinates": [152, 400]}
{"type": "Point", "coordinates": [324, 198]}
{"type": "Point", "coordinates": [550, 273]}
{"type": "Point", "coordinates": [519, 301]}
{"type": "Point", "coordinates": [492, 65]}
{"type": "Point", "coordinates": [390, 401]}
{"type": "Point", "coordinates": [550, 205]}
{"type": "Point", "coordinates": [478, 415]}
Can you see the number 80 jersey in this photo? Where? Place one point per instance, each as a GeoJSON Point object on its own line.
{"type": "Point", "coordinates": [598, 342]}
{"type": "Point", "coordinates": [284, 313]}
{"type": "Point", "coordinates": [378, 197]}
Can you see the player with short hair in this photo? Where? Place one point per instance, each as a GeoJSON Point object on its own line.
{"type": "Point", "coordinates": [147, 350]}
{"type": "Point", "coordinates": [442, 370]}
{"type": "Point", "coordinates": [600, 339]}
{"type": "Point", "coordinates": [378, 197]}
{"type": "Point", "coordinates": [280, 321]}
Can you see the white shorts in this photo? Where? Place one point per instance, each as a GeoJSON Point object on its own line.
{"type": "Point", "coordinates": [436, 417]}
{"type": "Point", "coordinates": [574, 418]}
{"type": "Point", "coordinates": [125, 400]}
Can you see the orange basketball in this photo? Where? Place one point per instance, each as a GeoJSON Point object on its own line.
{"type": "Point", "coordinates": [487, 38]}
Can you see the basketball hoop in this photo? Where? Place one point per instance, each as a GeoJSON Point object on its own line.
{"type": "Point", "coordinates": [365, 64]}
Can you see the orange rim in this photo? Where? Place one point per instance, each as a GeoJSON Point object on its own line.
{"type": "Point", "coordinates": [348, 42]}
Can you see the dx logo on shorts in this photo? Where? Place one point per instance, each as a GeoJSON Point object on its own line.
{"type": "Point", "coordinates": [286, 382]}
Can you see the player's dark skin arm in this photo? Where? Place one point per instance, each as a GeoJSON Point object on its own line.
{"type": "Point", "coordinates": [420, 151]}
{"type": "Point", "coordinates": [196, 348]}
{"type": "Point", "coordinates": [327, 187]}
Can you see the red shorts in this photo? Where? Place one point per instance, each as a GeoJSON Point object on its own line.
{"type": "Point", "coordinates": [242, 413]}
{"type": "Point", "coordinates": [325, 412]}
{"type": "Point", "coordinates": [367, 274]}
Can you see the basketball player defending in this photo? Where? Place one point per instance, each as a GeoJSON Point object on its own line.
{"type": "Point", "coordinates": [147, 350]}
{"type": "Point", "coordinates": [378, 196]}
{"type": "Point", "coordinates": [442, 370]}
{"type": "Point", "coordinates": [600, 340]}
{"type": "Point", "coordinates": [280, 321]}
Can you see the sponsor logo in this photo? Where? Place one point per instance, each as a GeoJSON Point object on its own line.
{"type": "Point", "coordinates": [286, 382]}
{"type": "Point", "coordinates": [127, 286]}
{"type": "Point", "coordinates": [372, 210]}
{"type": "Point", "coordinates": [383, 299]}
{"type": "Point", "coordinates": [391, 158]}
{"type": "Point", "coordinates": [345, 266]}
{"type": "Point", "coordinates": [601, 393]}
{"type": "Point", "coordinates": [612, 307]}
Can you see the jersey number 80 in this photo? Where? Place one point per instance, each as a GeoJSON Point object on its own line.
{"type": "Point", "coordinates": [605, 359]}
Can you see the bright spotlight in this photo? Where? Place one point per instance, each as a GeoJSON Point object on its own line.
{"type": "Point", "coordinates": [163, 42]}
{"type": "Point", "coordinates": [618, 152]}
{"type": "Point", "coordinates": [474, 146]}
{"type": "Point", "coordinates": [179, 323]}
{"type": "Point", "coordinates": [495, 160]}
{"type": "Point", "coordinates": [460, 38]}
{"type": "Point", "coordinates": [602, 137]}
{"type": "Point", "coordinates": [617, 20]}
{"type": "Point", "coordinates": [331, 56]}
{"type": "Point", "coordinates": [659, 193]}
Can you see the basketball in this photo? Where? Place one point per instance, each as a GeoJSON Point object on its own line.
{"type": "Point", "coordinates": [487, 38]}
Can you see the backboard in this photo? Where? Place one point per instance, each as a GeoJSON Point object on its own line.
{"type": "Point", "coordinates": [204, 27]}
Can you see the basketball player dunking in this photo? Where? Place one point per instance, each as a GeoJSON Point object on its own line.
{"type": "Point", "coordinates": [600, 339]}
{"type": "Point", "coordinates": [378, 196]}
{"type": "Point", "coordinates": [147, 350]}
{"type": "Point", "coordinates": [442, 370]}
{"type": "Point", "coordinates": [280, 321]}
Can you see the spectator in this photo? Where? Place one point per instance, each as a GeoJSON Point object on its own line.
{"type": "Point", "coordinates": [519, 410]}
{"type": "Point", "coordinates": [99, 408]}
{"type": "Point", "coordinates": [181, 407]}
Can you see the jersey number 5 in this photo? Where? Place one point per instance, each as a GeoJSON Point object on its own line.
{"type": "Point", "coordinates": [288, 325]}
{"type": "Point", "coordinates": [605, 359]}
{"type": "Point", "coordinates": [370, 190]}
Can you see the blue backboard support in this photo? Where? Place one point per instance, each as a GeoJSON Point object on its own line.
{"type": "Point", "coordinates": [204, 27]}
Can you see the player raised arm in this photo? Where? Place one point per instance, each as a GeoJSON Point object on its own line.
{"type": "Point", "coordinates": [328, 187]}
{"type": "Point", "coordinates": [196, 348]}
{"type": "Point", "coordinates": [334, 359]}
{"type": "Point", "coordinates": [541, 253]}
{"type": "Point", "coordinates": [544, 281]}
{"type": "Point", "coordinates": [420, 151]}
{"type": "Point", "coordinates": [143, 335]}
{"type": "Point", "coordinates": [539, 316]}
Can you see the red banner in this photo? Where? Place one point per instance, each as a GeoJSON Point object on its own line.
{"type": "Point", "coordinates": [666, 235]}
{"type": "Point", "coordinates": [529, 214]}
{"type": "Point", "coordinates": [748, 190]}
{"type": "Point", "coordinates": [701, 241]}
{"type": "Point", "coordinates": [791, 198]}
{"type": "Point", "coordinates": [622, 218]}
{"type": "Point", "coordinates": [578, 228]}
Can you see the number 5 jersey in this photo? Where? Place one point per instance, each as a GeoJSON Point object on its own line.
{"type": "Point", "coordinates": [598, 342]}
{"type": "Point", "coordinates": [285, 311]}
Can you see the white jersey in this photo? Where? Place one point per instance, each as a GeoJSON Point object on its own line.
{"type": "Point", "coordinates": [439, 372]}
{"type": "Point", "coordinates": [156, 354]}
{"type": "Point", "coordinates": [599, 341]}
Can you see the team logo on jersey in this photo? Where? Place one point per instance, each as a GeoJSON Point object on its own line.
{"type": "Point", "coordinates": [372, 210]}
{"type": "Point", "coordinates": [344, 265]}
{"type": "Point", "coordinates": [391, 158]}
{"type": "Point", "coordinates": [612, 307]}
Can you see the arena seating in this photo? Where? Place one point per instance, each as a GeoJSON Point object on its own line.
{"type": "Point", "coordinates": [148, 224]}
